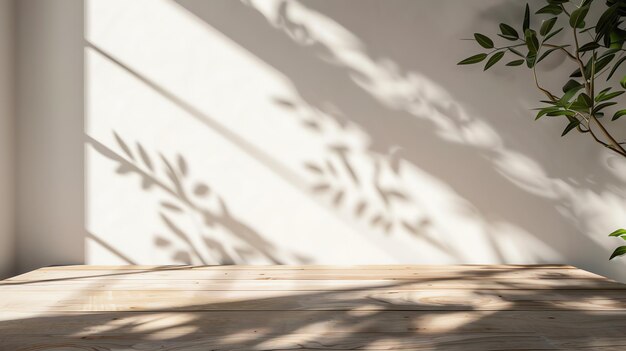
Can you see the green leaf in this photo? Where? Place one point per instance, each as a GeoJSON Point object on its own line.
{"type": "Point", "coordinates": [473, 59]}
{"type": "Point", "coordinates": [604, 91]}
{"type": "Point", "coordinates": [526, 23]}
{"type": "Point", "coordinates": [548, 52]}
{"type": "Point", "coordinates": [515, 63]}
{"type": "Point", "coordinates": [615, 39]}
{"type": "Point", "coordinates": [505, 37]}
{"type": "Point", "coordinates": [552, 34]}
{"type": "Point", "coordinates": [576, 73]}
{"type": "Point", "coordinates": [546, 110]}
{"type": "Point", "coordinates": [531, 59]}
{"type": "Point", "coordinates": [589, 46]}
{"type": "Point", "coordinates": [604, 97]}
{"type": "Point", "coordinates": [623, 82]}
{"type": "Point", "coordinates": [547, 25]}
{"type": "Point", "coordinates": [573, 123]}
{"type": "Point", "coordinates": [494, 59]}
{"type": "Point", "coordinates": [561, 113]}
{"type": "Point", "coordinates": [516, 52]}
{"type": "Point", "coordinates": [618, 252]}
{"type": "Point", "coordinates": [571, 84]}
{"type": "Point", "coordinates": [585, 100]}
{"type": "Point", "coordinates": [483, 41]}
{"type": "Point", "coordinates": [618, 114]}
{"type": "Point", "coordinates": [551, 9]}
{"type": "Point", "coordinates": [578, 105]}
{"type": "Point", "coordinates": [508, 32]}
{"type": "Point", "coordinates": [585, 2]}
{"type": "Point", "coordinates": [550, 102]}
{"type": "Point", "coordinates": [602, 106]}
{"type": "Point", "coordinates": [618, 232]}
{"type": "Point", "coordinates": [619, 62]}
{"type": "Point", "coordinates": [607, 20]}
{"type": "Point", "coordinates": [609, 52]}
{"type": "Point", "coordinates": [587, 29]}
{"type": "Point", "coordinates": [602, 62]}
{"type": "Point", "coordinates": [577, 18]}
{"type": "Point", "coordinates": [569, 94]}
{"type": "Point", "coordinates": [531, 40]}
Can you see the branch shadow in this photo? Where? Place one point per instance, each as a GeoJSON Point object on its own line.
{"type": "Point", "coordinates": [186, 198]}
{"type": "Point", "coordinates": [422, 126]}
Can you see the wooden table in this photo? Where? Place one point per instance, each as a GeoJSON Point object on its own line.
{"type": "Point", "coordinates": [312, 308]}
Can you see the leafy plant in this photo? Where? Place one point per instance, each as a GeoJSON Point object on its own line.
{"type": "Point", "coordinates": [595, 50]}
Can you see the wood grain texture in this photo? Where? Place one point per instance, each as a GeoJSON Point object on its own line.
{"type": "Point", "coordinates": [348, 300]}
{"type": "Point", "coordinates": [429, 272]}
{"type": "Point", "coordinates": [472, 307]}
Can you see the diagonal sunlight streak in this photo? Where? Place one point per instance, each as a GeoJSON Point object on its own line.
{"type": "Point", "coordinates": [403, 208]}
{"type": "Point", "coordinates": [391, 248]}
{"type": "Point", "coordinates": [257, 154]}
{"type": "Point", "coordinates": [241, 143]}
{"type": "Point", "coordinates": [111, 249]}
{"type": "Point", "coordinates": [441, 199]}
{"type": "Point", "coordinates": [419, 96]}
{"type": "Point", "coordinates": [178, 198]}
{"type": "Point", "coordinates": [404, 91]}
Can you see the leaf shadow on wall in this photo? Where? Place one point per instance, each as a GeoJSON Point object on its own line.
{"type": "Point", "coordinates": [184, 198]}
{"type": "Point", "coordinates": [487, 161]}
{"type": "Point", "coordinates": [377, 200]}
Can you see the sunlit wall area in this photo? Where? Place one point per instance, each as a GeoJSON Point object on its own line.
{"type": "Point", "coordinates": [272, 131]}
{"type": "Point", "coordinates": [190, 134]}
{"type": "Point", "coordinates": [7, 149]}
{"type": "Point", "coordinates": [294, 132]}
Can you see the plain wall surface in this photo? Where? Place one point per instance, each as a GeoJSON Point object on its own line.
{"type": "Point", "coordinates": [7, 130]}
{"type": "Point", "coordinates": [329, 132]}
{"type": "Point", "coordinates": [49, 130]}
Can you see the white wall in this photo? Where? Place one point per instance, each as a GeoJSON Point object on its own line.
{"type": "Point", "coordinates": [50, 132]}
{"type": "Point", "coordinates": [300, 132]}
{"type": "Point", "coordinates": [7, 130]}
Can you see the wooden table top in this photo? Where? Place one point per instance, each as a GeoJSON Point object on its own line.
{"type": "Point", "coordinates": [183, 308]}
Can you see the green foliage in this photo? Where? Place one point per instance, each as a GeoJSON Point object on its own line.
{"type": "Point", "coordinates": [483, 41]}
{"type": "Point", "coordinates": [508, 32]}
{"type": "Point", "coordinates": [494, 59]}
{"type": "Point", "coordinates": [596, 54]}
{"type": "Point", "coordinates": [547, 25]}
{"type": "Point", "coordinates": [618, 252]}
{"type": "Point", "coordinates": [473, 59]}
{"type": "Point", "coordinates": [577, 18]}
{"type": "Point", "coordinates": [620, 233]}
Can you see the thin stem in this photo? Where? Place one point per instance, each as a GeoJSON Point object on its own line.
{"type": "Point", "coordinates": [504, 48]}
{"type": "Point", "coordinates": [608, 67]}
{"type": "Point", "coordinates": [614, 145]}
{"type": "Point", "coordinates": [550, 96]}
{"type": "Point", "coordinates": [569, 54]}
{"type": "Point", "coordinates": [592, 79]}
{"type": "Point", "coordinates": [581, 65]}
{"type": "Point", "coordinates": [589, 88]}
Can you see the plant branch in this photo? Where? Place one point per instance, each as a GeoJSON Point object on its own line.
{"type": "Point", "coordinates": [550, 96]}
{"type": "Point", "coordinates": [581, 65]}
{"type": "Point", "coordinates": [613, 144]}
{"type": "Point", "coordinates": [569, 54]}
